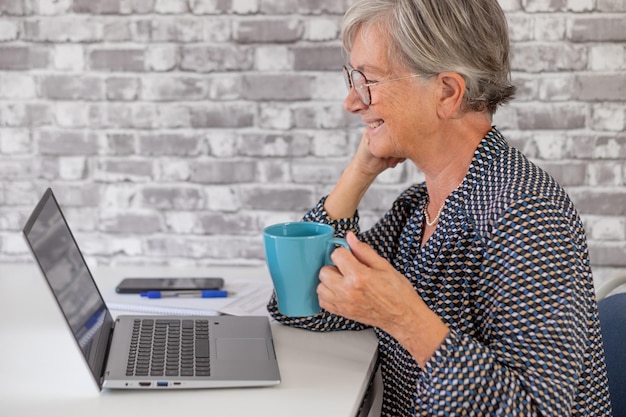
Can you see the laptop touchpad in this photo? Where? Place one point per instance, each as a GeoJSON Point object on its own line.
{"type": "Point", "coordinates": [242, 349]}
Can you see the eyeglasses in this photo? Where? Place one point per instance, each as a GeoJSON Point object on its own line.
{"type": "Point", "coordinates": [355, 78]}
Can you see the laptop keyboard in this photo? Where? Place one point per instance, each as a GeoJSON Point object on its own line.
{"type": "Point", "coordinates": [169, 348]}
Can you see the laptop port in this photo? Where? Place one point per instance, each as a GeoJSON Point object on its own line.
{"type": "Point", "coordinates": [161, 384]}
{"type": "Point", "coordinates": [145, 384]}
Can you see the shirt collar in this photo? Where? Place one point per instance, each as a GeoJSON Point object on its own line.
{"type": "Point", "coordinates": [492, 145]}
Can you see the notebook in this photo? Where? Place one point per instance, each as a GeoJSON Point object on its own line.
{"type": "Point", "coordinates": [145, 352]}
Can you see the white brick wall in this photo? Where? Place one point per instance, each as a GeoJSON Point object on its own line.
{"type": "Point", "coordinates": [174, 130]}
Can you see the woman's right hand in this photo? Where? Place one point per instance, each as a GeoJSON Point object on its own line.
{"type": "Point", "coordinates": [344, 199]}
{"type": "Point", "coordinates": [370, 165]}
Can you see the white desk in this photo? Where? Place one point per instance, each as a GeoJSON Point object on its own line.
{"type": "Point", "coordinates": [43, 374]}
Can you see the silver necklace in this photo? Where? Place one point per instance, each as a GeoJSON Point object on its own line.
{"type": "Point", "coordinates": [427, 217]}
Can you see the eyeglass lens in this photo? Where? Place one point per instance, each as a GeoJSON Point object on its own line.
{"type": "Point", "coordinates": [355, 78]}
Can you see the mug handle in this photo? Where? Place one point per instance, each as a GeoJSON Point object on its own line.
{"type": "Point", "coordinates": [330, 247]}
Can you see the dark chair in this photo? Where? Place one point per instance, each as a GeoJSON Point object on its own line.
{"type": "Point", "coordinates": [612, 311]}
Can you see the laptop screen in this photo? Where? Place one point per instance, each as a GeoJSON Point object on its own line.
{"type": "Point", "coordinates": [63, 266]}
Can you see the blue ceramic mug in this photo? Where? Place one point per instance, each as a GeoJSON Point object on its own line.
{"type": "Point", "coordinates": [295, 252]}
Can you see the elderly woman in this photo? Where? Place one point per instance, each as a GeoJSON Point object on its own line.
{"type": "Point", "coordinates": [477, 281]}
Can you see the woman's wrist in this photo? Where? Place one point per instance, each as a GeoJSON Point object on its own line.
{"type": "Point", "coordinates": [421, 331]}
{"type": "Point", "coordinates": [344, 199]}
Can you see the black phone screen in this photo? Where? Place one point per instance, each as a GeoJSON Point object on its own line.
{"type": "Point", "coordinates": [138, 285]}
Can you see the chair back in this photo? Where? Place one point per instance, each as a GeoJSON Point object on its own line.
{"type": "Point", "coordinates": [612, 312]}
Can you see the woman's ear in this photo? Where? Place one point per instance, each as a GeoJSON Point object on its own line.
{"type": "Point", "coordinates": [452, 91]}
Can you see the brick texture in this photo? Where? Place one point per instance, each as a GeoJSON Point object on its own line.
{"type": "Point", "coordinates": [174, 131]}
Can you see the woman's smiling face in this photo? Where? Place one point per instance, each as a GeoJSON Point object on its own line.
{"type": "Point", "coordinates": [401, 112]}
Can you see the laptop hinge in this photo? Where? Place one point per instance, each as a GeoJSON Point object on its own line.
{"type": "Point", "coordinates": [107, 352]}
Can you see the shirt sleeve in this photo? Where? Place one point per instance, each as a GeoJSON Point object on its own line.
{"type": "Point", "coordinates": [536, 294]}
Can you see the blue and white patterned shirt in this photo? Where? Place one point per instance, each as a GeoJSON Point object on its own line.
{"type": "Point", "coordinates": [507, 270]}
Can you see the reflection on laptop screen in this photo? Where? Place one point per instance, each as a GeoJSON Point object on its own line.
{"type": "Point", "coordinates": [60, 260]}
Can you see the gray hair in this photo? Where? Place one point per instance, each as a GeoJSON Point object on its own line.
{"type": "Point", "coordinates": [469, 37]}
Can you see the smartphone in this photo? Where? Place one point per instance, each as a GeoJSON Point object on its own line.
{"type": "Point", "coordinates": [139, 285]}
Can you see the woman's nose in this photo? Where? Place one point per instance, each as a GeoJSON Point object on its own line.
{"type": "Point", "coordinates": [353, 102]}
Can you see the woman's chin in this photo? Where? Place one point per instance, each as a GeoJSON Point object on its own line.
{"type": "Point", "coordinates": [380, 145]}
{"type": "Point", "coordinates": [379, 151]}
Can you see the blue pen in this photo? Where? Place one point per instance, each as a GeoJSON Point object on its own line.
{"type": "Point", "coordinates": [191, 294]}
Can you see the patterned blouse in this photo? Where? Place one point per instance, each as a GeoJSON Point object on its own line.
{"type": "Point", "coordinates": [507, 270]}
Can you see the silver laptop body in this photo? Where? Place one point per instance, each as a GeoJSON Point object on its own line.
{"type": "Point", "coordinates": [189, 352]}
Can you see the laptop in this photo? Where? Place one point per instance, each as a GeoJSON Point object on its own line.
{"type": "Point", "coordinates": [145, 352]}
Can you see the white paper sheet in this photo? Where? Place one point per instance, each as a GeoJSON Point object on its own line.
{"type": "Point", "coordinates": [244, 298]}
